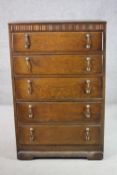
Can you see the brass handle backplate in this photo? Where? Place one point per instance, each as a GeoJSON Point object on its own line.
{"type": "Point", "coordinates": [88, 87]}
{"type": "Point", "coordinates": [87, 112]}
{"type": "Point", "coordinates": [32, 138]}
{"type": "Point", "coordinates": [26, 41]}
{"type": "Point", "coordinates": [88, 41]}
{"type": "Point", "coordinates": [29, 87]}
{"type": "Point", "coordinates": [28, 63]}
{"type": "Point", "coordinates": [88, 64]}
{"type": "Point", "coordinates": [87, 134]}
{"type": "Point", "coordinates": [30, 111]}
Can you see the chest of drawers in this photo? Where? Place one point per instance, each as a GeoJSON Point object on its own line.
{"type": "Point", "coordinates": [58, 79]}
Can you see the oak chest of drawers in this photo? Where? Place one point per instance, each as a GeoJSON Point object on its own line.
{"type": "Point", "coordinates": [58, 76]}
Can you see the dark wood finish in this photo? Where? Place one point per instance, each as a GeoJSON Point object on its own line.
{"type": "Point", "coordinates": [59, 112]}
{"type": "Point", "coordinates": [57, 64]}
{"type": "Point", "coordinates": [58, 78]}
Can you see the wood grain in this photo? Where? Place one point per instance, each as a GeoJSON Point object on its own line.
{"type": "Point", "coordinates": [68, 112]}
{"type": "Point", "coordinates": [57, 42]}
{"type": "Point", "coordinates": [59, 135]}
{"type": "Point", "coordinates": [57, 88]}
{"type": "Point", "coordinates": [57, 64]}
{"type": "Point", "coordinates": [49, 74]}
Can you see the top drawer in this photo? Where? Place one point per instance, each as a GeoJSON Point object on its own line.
{"type": "Point", "coordinates": [57, 41]}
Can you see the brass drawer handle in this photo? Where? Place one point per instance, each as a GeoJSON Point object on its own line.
{"type": "Point", "coordinates": [88, 87]}
{"type": "Point", "coordinates": [30, 111]}
{"type": "Point", "coordinates": [88, 41]}
{"type": "Point", "coordinates": [88, 64]}
{"type": "Point", "coordinates": [26, 41]}
{"type": "Point", "coordinates": [32, 138]}
{"type": "Point", "coordinates": [87, 112]}
{"type": "Point", "coordinates": [87, 134]}
{"type": "Point", "coordinates": [28, 63]}
{"type": "Point", "coordinates": [29, 87]}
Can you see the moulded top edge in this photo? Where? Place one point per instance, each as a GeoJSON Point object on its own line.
{"type": "Point", "coordinates": [57, 22]}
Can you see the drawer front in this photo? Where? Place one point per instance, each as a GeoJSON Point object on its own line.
{"type": "Point", "coordinates": [58, 88]}
{"type": "Point", "coordinates": [58, 64]}
{"type": "Point", "coordinates": [59, 135]}
{"type": "Point", "coordinates": [57, 41]}
{"type": "Point", "coordinates": [59, 112]}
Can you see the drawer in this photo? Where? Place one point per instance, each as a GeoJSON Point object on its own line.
{"type": "Point", "coordinates": [59, 112]}
{"type": "Point", "coordinates": [58, 88]}
{"type": "Point", "coordinates": [57, 41]}
{"type": "Point", "coordinates": [59, 135]}
{"type": "Point", "coordinates": [58, 64]}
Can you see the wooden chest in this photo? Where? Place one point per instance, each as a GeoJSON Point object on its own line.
{"type": "Point", "coordinates": [58, 78]}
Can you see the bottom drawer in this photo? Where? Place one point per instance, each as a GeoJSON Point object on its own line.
{"type": "Point", "coordinates": [59, 135]}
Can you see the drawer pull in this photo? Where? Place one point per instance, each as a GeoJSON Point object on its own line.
{"type": "Point", "coordinates": [26, 41]}
{"type": "Point", "coordinates": [32, 138]}
{"type": "Point", "coordinates": [88, 41]}
{"type": "Point", "coordinates": [29, 87]}
{"type": "Point", "coordinates": [28, 63]}
{"type": "Point", "coordinates": [88, 66]}
{"type": "Point", "coordinates": [30, 111]}
{"type": "Point", "coordinates": [88, 87]}
{"type": "Point", "coordinates": [87, 112]}
{"type": "Point", "coordinates": [87, 134]}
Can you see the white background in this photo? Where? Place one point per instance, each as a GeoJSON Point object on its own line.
{"type": "Point", "coordinates": [28, 10]}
